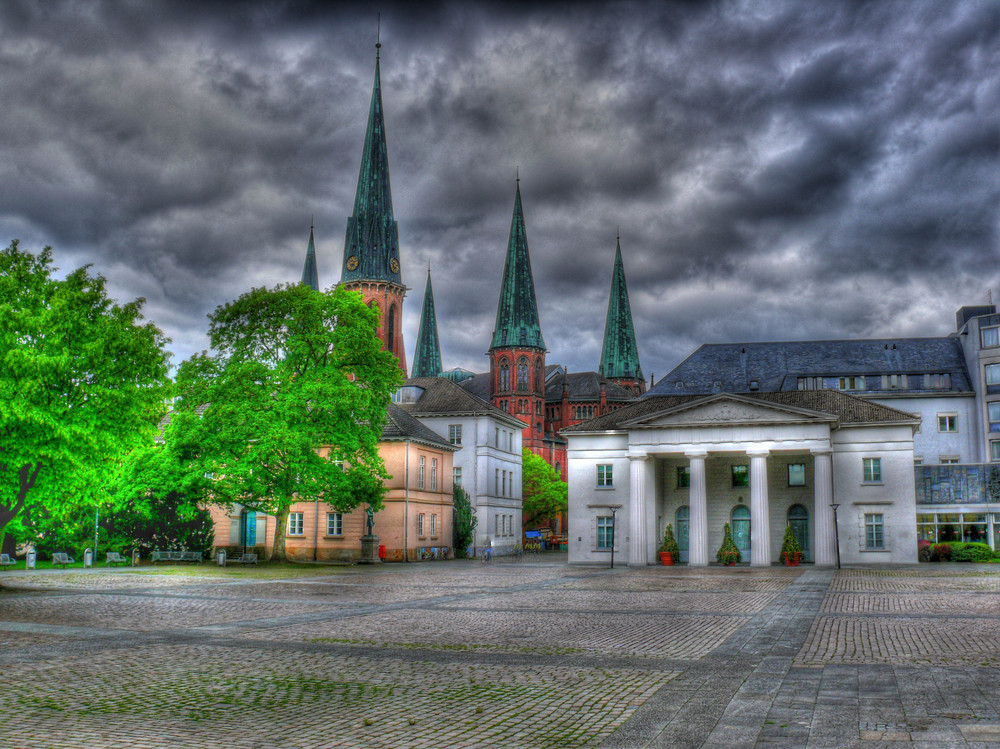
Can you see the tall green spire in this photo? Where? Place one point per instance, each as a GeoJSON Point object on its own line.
{"type": "Point", "coordinates": [427, 357]}
{"type": "Point", "coordinates": [517, 311]}
{"type": "Point", "coordinates": [310, 275]}
{"type": "Point", "coordinates": [619, 355]}
{"type": "Point", "coordinates": [371, 250]}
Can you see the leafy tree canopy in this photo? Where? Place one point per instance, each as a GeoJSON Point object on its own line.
{"type": "Point", "coordinates": [82, 382]}
{"type": "Point", "coordinates": [288, 408]}
{"type": "Point", "coordinates": [544, 494]}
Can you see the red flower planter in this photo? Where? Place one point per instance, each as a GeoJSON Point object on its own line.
{"type": "Point", "coordinates": [666, 559]}
{"type": "Point", "coordinates": [792, 560]}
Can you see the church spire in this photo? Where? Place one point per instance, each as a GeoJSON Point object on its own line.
{"type": "Point", "coordinates": [310, 275]}
{"type": "Point", "coordinates": [371, 250]}
{"type": "Point", "coordinates": [620, 355]}
{"type": "Point", "coordinates": [517, 311]}
{"type": "Point", "coordinates": [427, 357]}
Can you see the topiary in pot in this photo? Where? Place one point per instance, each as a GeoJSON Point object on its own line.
{"type": "Point", "coordinates": [669, 551]}
{"type": "Point", "coordinates": [728, 553]}
{"type": "Point", "coordinates": [791, 552]}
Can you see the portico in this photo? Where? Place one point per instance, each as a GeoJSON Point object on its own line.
{"type": "Point", "coordinates": [698, 463]}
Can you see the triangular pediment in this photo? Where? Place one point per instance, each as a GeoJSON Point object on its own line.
{"type": "Point", "coordinates": [728, 409]}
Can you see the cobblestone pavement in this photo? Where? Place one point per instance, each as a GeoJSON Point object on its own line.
{"type": "Point", "coordinates": [530, 654]}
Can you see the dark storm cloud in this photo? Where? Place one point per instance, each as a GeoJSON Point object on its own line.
{"type": "Point", "coordinates": [777, 170]}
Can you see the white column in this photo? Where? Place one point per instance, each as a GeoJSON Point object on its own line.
{"type": "Point", "coordinates": [826, 553]}
{"type": "Point", "coordinates": [760, 528]}
{"type": "Point", "coordinates": [637, 511]}
{"type": "Point", "coordinates": [698, 506]}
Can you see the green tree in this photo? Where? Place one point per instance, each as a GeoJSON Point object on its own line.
{"type": "Point", "coordinates": [82, 383]}
{"type": "Point", "coordinates": [293, 370]}
{"type": "Point", "coordinates": [464, 524]}
{"type": "Point", "coordinates": [544, 494]}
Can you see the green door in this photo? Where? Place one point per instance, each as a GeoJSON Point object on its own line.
{"type": "Point", "coordinates": [249, 528]}
{"type": "Point", "coordinates": [798, 518]}
{"type": "Point", "coordinates": [740, 525]}
{"type": "Point", "coordinates": [683, 514]}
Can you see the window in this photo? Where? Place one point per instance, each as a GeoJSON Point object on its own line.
{"type": "Point", "coordinates": [503, 492]}
{"type": "Point", "coordinates": [852, 383]}
{"type": "Point", "coordinates": [605, 532]}
{"type": "Point", "coordinates": [334, 524]}
{"type": "Point", "coordinates": [873, 531]}
{"type": "Point", "coordinates": [893, 382]}
{"type": "Point", "coordinates": [992, 374]}
{"type": "Point", "coordinates": [947, 460]}
{"type": "Point", "coordinates": [434, 474]}
{"type": "Point", "coordinates": [796, 474]}
{"type": "Point", "coordinates": [420, 474]}
{"type": "Point", "coordinates": [947, 422]}
{"type": "Point", "coordinates": [683, 477]}
{"type": "Point", "coordinates": [504, 376]}
{"type": "Point", "coordinates": [496, 437]}
{"type": "Point", "coordinates": [504, 405]}
{"type": "Point", "coordinates": [990, 337]}
{"type": "Point", "coordinates": [945, 527]}
{"type": "Point", "coordinates": [917, 460]}
{"type": "Point", "coordinates": [937, 381]}
{"type": "Point", "coordinates": [420, 524]}
{"type": "Point", "coordinates": [455, 434]}
{"type": "Point", "coordinates": [296, 523]}
{"type": "Point", "coordinates": [873, 470]}
{"type": "Point", "coordinates": [434, 518]}
{"type": "Point", "coordinates": [456, 475]}
{"type": "Point", "coordinates": [993, 411]}
{"type": "Point", "coordinates": [390, 336]}
{"type": "Point", "coordinates": [605, 476]}
{"type": "Point", "coordinates": [496, 481]}
{"type": "Point", "coordinates": [741, 476]}
{"type": "Point", "coordinates": [995, 450]}
{"type": "Point", "coordinates": [522, 374]}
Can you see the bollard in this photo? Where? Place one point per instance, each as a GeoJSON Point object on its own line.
{"type": "Point", "coordinates": [221, 557]}
{"type": "Point", "coordinates": [29, 560]}
{"type": "Point", "coordinates": [88, 558]}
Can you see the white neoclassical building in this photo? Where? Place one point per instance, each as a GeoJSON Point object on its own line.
{"type": "Point", "coordinates": [759, 461]}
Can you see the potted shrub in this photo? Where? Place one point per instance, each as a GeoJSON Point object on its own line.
{"type": "Point", "coordinates": [669, 551]}
{"type": "Point", "coordinates": [791, 552]}
{"type": "Point", "coordinates": [728, 553]}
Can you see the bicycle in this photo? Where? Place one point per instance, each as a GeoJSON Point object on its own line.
{"type": "Point", "coordinates": [487, 555]}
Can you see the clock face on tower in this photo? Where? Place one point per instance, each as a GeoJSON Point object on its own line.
{"type": "Point", "coordinates": [352, 262]}
{"type": "Point", "coordinates": [394, 265]}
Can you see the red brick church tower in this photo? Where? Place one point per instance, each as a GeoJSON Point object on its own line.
{"type": "Point", "coordinates": [517, 353]}
{"type": "Point", "coordinates": [371, 250]}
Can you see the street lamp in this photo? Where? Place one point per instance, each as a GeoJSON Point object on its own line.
{"type": "Point", "coordinates": [613, 509]}
{"type": "Point", "coordinates": [836, 530]}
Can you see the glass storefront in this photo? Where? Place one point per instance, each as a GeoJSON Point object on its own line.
{"type": "Point", "coordinates": [940, 527]}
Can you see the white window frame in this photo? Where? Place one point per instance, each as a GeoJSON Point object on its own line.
{"type": "Point", "coordinates": [434, 518]}
{"type": "Point", "coordinates": [420, 525]}
{"type": "Point", "coordinates": [605, 527]}
{"type": "Point", "coordinates": [434, 474]}
{"type": "Point", "coordinates": [871, 470]}
{"type": "Point", "coordinates": [455, 434]}
{"type": "Point", "coordinates": [947, 422]}
{"type": "Point", "coordinates": [991, 374]}
{"type": "Point", "coordinates": [421, 473]}
{"type": "Point", "coordinates": [334, 524]}
{"type": "Point", "coordinates": [991, 332]}
{"type": "Point", "coordinates": [874, 531]}
{"type": "Point", "coordinates": [797, 483]}
{"type": "Point", "coordinates": [296, 523]}
{"type": "Point", "coordinates": [605, 476]}
{"type": "Point", "coordinates": [456, 475]}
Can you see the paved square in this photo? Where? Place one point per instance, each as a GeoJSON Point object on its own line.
{"type": "Point", "coordinates": [529, 654]}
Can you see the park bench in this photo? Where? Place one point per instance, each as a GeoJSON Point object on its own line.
{"type": "Point", "coordinates": [61, 557]}
{"type": "Point", "coordinates": [114, 557]}
{"type": "Point", "coordinates": [6, 560]}
{"type": "Point", "coordinates": [248, 558]}
{"type": "Point", "coordinates": [176, 556]}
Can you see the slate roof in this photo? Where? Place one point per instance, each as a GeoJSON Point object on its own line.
{"type": "Point", "coordinates": [619, 353]}
{"type": "Point", "coordinates": [400, 427]}
{"type": "Point", "coordinates": [443, 397]}
{"type": "Point", "coordinates": [310, 274]}
{"type": "Point", "coordinates": [517, 311]}
{"type": "Point", "coordinates": [848, 409]}
{"type": "Point", "coordinates": [777, 365]}
{"type": "Point", "coordinates": [478, 385]}
{"type": "Point", "coordinates": [584, 386]}
{"type": "Point", "coordinates": [427, 356]}
{"type": "Point", "coordinates": [372, 232]}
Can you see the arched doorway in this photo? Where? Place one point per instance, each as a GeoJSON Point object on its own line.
{"type": "Point", "coordinates": [798, 518]}
{"type": "Point", "coordinates": [681, 525]}
{"type": "Point", "coordinates": [740, 526]}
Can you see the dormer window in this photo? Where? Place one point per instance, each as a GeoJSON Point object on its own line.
{"type": "Point", "coordinates": [852, 383]}
{"type": "Point", "coordinates": [937, 381]}
{"type": "Point", "coordinates": [754, 385]}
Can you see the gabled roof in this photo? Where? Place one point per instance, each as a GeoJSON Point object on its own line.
{"type": "Point", "coordinates": [401, 427]}
{"type": "Point", "coordinates": [584, 386]}
{"type": "Point", "coordinates": [847, 409]}
{"type": "Point", "coordinates": [776, 366]}
{"type": "Point", "coordinates": [310, 274]}
{"type": "Point", "coordinates": [517, 311]}
{"type": "Point", "coordinates": [427, 356]}
{"type": "Point", "coordinates": [441, 397]}
{"type": "Point", "coordinates": [478, 385]}
{"type": "Point", "coordinates": [371, 250]}
{"type": "Point", "coordinates": [619, 353]}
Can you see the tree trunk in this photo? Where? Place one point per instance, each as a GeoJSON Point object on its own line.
{"type": "Point", "coordinates": [280, 524]}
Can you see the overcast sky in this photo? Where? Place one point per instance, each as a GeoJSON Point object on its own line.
{"type": "Point", "coordinates": [779, 171]}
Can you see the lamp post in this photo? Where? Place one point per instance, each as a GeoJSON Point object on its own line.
{"type": "Point", "coordinates": [836, 530]}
